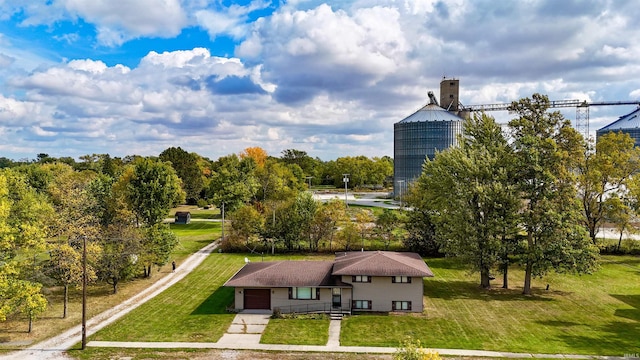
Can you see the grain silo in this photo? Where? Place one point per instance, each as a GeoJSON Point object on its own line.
{"type": "Point", "coordinates": [628, 124]}
{"type": "Point", "coordinates": [418, 136]}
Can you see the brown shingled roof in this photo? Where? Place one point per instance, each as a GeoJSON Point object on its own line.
{"type": "Point", "coordinates": [283, 274]}
{"type": "Point", "coordinates": [319, 273]}
{"type": "Point", "coordinates": [380, 263]}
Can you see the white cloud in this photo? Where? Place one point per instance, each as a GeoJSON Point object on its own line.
{"type": "Point", "coordinates": [327, 77]}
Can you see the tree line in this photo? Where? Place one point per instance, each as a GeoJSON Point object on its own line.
{"type": "Point", "coordinates": [197, 172]}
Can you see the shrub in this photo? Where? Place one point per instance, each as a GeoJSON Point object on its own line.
{"type": "Point", "coordinates": [277, 313]}
{"type": "Point", "coordinates": [203, 203]}
{"type": "Point", "coordinates": [412, 350]}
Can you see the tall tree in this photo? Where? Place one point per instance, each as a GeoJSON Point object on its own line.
{"type": "Point", "coordinates": [156, 246]}
{"type": "Point", "coordinates": [257, 153]}
{"type": "Point", "coordinates": [325, 223]}
{"type": "Point", "coordinates": [233, 182]}
{"type": "Point", "coordinates": [66, 268]}
{"type": "Point", "coordinates": [472, 196]}
{"type": "Point", "coordinates": [386, 227]}
{"type": "Point", "coordinates": [421, 231]}
{"type": "Point", "coordinates": [620, 214]}
{"type": "Point", "coordinates": [23, 230]}
{"type": "Point", "coordinates": [277, 181]}
{"type": "Point", "coordinates": [547, 152]}
{"type": "Point", "coordinates": [186, 167]}
{"type": "Point", "coordinates": [119, 257]}
{"type": "Point", "coordinates": [604, 173]}
{"type": "Point", "coordinates": [153, 190]}
{"type": "Point", "coordinates": [246, 225]}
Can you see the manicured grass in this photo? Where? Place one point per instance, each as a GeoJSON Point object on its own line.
{"type": "Point", "coordinates": [192, 310]}
{"type": "Point", "coordinates": [588, 314]}
{"type": "Point", "coordinates": [194, 236]}
{"type": "Point", "coordinates": [13, 332]}
{"type": "Point", "coordinates": [298, 331]}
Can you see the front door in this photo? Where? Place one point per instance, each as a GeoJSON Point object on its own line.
{"type": "Point", "coordinates": [336, 297]}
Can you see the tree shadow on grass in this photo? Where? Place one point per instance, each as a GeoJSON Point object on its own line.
{"type": "Point", "coordinates": [632, 314]}
{"type": "Point", "coordinates": [216, 303]}
{"type": "Point", "coordinates": [616, 339]}
{"type": "Point", "coordinates": [450, 290]}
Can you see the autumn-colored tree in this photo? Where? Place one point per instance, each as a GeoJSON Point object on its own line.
{"type": "Point", "coordinates": [257, 153]}
{"type": "Point", "coordinates": [325, 223]}
{"type": "Point", "coordinates": [246, 225]}
{"type": "Point", "coordinates": [66, 268]}
{"type": "Point", "coordinates": [23, 225]}
{"type": "Point", "coordinates": [604, 173]}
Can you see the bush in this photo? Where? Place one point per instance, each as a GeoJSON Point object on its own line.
{"type": "Point", "coordinates": [412, 350]}
{"type": "Point", "coordinates": [277, 313]}
{"type": "Point", "coordinates": [203, 203]}
{"type": "Point", "coordinates": [627, 247]}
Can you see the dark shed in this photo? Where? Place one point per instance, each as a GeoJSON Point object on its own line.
{"type": "Point", "coordinates": [182, 217]}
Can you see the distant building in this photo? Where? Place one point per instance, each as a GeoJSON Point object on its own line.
{"type": "Point", "coordinates": [182, 217]}
{"type": "Point", "coordinates": [628, 124]}
{"type": "Point", "coordinates": [423, 133]}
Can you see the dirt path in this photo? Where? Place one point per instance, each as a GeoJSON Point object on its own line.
{"type": "Point", "coordinates": [54, 348]}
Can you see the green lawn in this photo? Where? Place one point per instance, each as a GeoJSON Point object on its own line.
{"type": "Point", "coordinates": [194, 236]}
{"type": "Point", "coordinates": [298, 331]}
{"type": "Point", "coordinates": [194, 309]}
{"type": "Point", "coordinates": [588, 314]}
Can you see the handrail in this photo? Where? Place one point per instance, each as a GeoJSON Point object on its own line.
{"type": "Point", "coordinates": [307, 308]}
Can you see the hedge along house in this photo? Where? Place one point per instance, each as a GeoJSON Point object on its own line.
{"type": "Point", "coordinates": [362, 281]}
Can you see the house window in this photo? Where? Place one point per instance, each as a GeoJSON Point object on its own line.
{"type": "Point", "coordinates": [304, 293]}
{"type": "Point", "coordinates": [361, 304]}
{"type": "Point", "coordinates": [401, 279]}
{"type": "Point", "coordinates": [400, 305]}
{"type": "Point", "coordinates": [361, 278]}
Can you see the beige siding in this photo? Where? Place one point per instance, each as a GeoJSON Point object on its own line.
{"type": "Point", "coordinates": [280, 299]}
{"type": "Point", "coordinates": [239, 299]}
{"type": "Point", "coordinates": [381, 291]}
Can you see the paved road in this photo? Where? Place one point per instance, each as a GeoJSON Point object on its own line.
{"type": "Point", "coordinates": [54, 347]}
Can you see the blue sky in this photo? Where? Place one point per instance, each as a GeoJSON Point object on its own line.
{"type": "Point", "coordinates": [328, 77]}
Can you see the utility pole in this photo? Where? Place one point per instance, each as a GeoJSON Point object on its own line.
{"type": "Point", "coordinates": [345, 179]}
{"type": "Point", "coordinates": [84, 292]}
{"type": "Point", "coordinates": [222, 221]}
{"type": "Point", "coordinates": [400, 183]}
